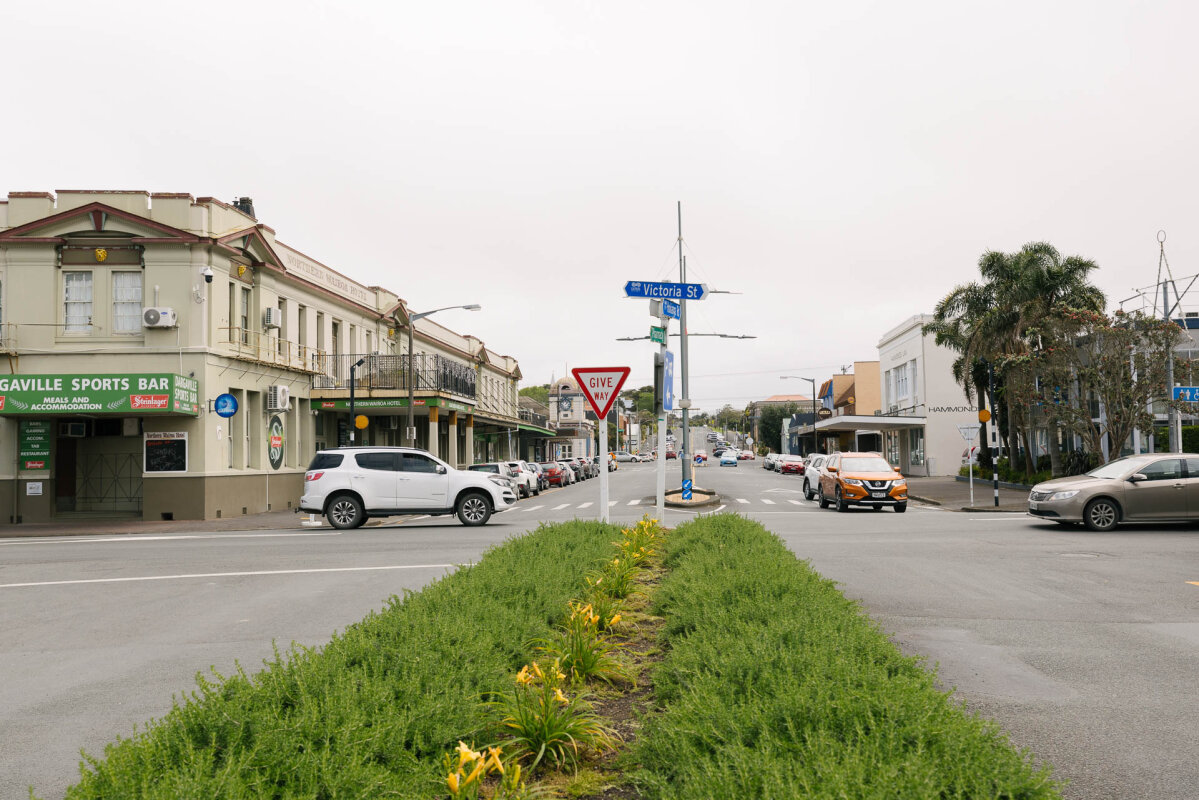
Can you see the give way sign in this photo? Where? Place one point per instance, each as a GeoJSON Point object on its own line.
{"type": "Point", "coordinates": [600, 386]}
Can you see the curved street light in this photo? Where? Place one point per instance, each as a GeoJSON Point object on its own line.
{"type": "Point", "coordinates": [412, 318]}
{"type": "Point", "coordinates": [813, 382]}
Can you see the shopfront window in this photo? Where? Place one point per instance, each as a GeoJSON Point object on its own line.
{"type": "Point", "coordinates": [126, 302]}
{"type": "Point", "coordinates": [77, 302]}
{"type": "Point", "coordinates": [892, 448]}
{"type": "Point", "coordinates": [916, 446]}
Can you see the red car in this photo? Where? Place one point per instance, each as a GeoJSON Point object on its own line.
{"type": "Point", "coordinates": [791, 465]}
{"type": "Point", "coordinates": [671, 454]}
{"type": "Point", "coordinates": [746, 455]}
{"type": "Point", "coordinates": [555, 475]}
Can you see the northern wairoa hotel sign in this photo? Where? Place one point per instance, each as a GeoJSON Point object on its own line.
{"type": "Point", "coordinates": [146, 393]}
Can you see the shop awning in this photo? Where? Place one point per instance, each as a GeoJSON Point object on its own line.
{"type": "Point", "coordinates": [113, 394]}
{"type": "Point", "coordinates": [860, 422]}
{"type": "Point", "coordinates": [534, 429]}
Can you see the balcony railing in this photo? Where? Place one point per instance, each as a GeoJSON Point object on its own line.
{"type": "Point", "coordinates": [258, 346]}
{"type": "Point", "coordinates": [540, 420]}
{"type": "Point", "coordinates": [8, 338]}
{"type": "Point", "coordinates": [433, 373]}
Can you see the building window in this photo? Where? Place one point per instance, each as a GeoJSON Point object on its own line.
{"type": "Point", "coordinates": [901, 382]}
{"type": "Point", "coordinates": [77, 302]}
{"type": "Point", "coordinates": [282, 341]}
{"type": "Point", "coordinates": [245, 315]}
{"type": "Point", "coordinates": [126, 302]}
{"type": "Point", "coordinates": [912, 382]}
{"type": "Point", "coordinates": [892, 448]}
{"type": "Point", "coordinates": [916, 447]}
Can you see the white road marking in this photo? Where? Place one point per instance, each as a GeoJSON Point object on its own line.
{"type": "Point", "coordinates": [584, 505]}
{"type": "Point", "coordinates": [795, 502]}
{"type": "Point", "coordinates": [224, 575]}
{"type": "Point", "coordinates": [422, 516]}
{"type": "Point", "coordinates": [611, 503]}
{"type": "Point", "coordinates": [534, 508]}
{"type": "Point", "coordinates": [767, 501]}
{"type": "Point", "coordinates": [719, 509]}
{"type": "Point", "coordinates": [634, 502]}
{"type": "Point", "coordinates": [133, 537]}
{"type": "Point", "coordinates": [742, 500]}
{"type": "Point", "coordinates": [559, 508]}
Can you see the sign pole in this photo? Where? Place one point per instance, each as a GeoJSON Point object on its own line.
{"type": "Point", "coordinates": [660, 491]}
{"type": "Point", "coordinates": [603, 423]}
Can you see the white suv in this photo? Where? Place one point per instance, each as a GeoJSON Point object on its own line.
{"type": "Point", "coordinates": [351, 484]}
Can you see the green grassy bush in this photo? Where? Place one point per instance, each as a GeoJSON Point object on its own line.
{"type": "Point", "coordinates": [776, 686]}
{"type": "Point", "coordinates": [372, 713]}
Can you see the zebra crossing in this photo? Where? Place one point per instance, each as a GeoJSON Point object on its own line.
{"type": "Point", "coordinates": [739, 501]}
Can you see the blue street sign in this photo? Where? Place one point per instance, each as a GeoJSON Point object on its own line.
{"type": "Point", "coordinates": [668, 291]}
{"type": "Point", "coordinates": [668, 383]}
{"type": "Point", "coordinates": [1189, 394]}
{"type": "Point", "coordinates": [686, 490]}
{"type": "Point", "coordinates": [671, 309]}
{"type": "Point", "coordinates": [225, 405]}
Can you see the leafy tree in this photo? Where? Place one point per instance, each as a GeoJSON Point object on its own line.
{"type": "Point", "coordinates": [770, 423]}
{"type": "Point", "coordinates": [539, 393]}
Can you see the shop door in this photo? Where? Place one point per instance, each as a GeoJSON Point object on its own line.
{"type": "Point", "coordinates": [109, 482]}
{"type": "Point", "coordinates": [64, 474]}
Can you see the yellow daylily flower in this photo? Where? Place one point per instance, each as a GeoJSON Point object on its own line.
{"type": "Point", "coordinates": [516, 774]}
{"type": "Point", "coordinates": [523, 677]}
{"type": "Point", "coordinates": [537, 670]}
{"type": "Point", "coordinates": [474, 773]}
{"type": "Point", "coordinates": [452, 781]}
{"type": "Point", "coordinates": [615, 619]}
{"type": "Point", "coordinates": [495, 763]}
{"type": "Point", "coordinates": [561, 698]}
{"type": "Point", "coordinates": [465, 754]}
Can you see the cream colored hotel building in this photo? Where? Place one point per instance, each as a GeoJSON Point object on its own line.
{"type": "Point", "coordinates": [125, 315]}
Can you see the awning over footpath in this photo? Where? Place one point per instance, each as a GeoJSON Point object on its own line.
{"type": "Point", "coordinates": [858, 422]}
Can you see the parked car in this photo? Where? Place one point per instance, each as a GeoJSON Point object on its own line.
{"type": "Point", "coordinates": [500, 468]}
{"type": "Point", "coordinates": [623, 455]}
{"type": "Point", "coordinates": [352, 484]}
{"type": "Point", "coordinates": [791, 465]}
{"type": "Point", "coordinates": [555, 473]}
{"type": "Point", "coordinates": [643, 457]}
{"type": "Point", "coordinates": [769, 459]}
{"type": "Point", "coordinates": [811, 474]}
{"type": "Point", "coordinates": [862, 479]}
{"type": "Point", "coordinates": [525, 477]}
{"type": "Point", "coordinates": [746, 455]}
{"type": "Point", "coordinates": [1142, 488]}
{"type": "Point", "coordinates": [576, 472]}
{"type": "Point", "coordinates": [701, 455]}
{"type": "Point", "coordinates": [718, 450]}
{"type": "Point", "coordinates": [729, 458]}
{"type": "Point", "coordinates": [671, 454]}
{"type": "Point", "coordinates": [612, 465]}
{"type": "Point", "coordinates": [543, 482]}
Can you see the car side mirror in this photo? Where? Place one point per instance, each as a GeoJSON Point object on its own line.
{"type": "Point", "coordinates": [831, 470]}
{"type": "Point", "coordinates": [1137, 477]}
{"type": "Point", "coordinates": [441, 470]}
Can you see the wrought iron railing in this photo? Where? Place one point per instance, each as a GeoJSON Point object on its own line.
{"type": "Point", "coordinates": [261, 347]}
{"type": "Point", "coordinates": [432, 373]}
{"type": "Point", "coordinates": [540, 420]}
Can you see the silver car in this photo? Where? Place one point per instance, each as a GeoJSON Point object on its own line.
{"type": "Point", "coordinates": [1161, 487]}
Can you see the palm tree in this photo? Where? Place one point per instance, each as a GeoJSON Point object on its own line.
{"type": "Point", "coordinates": [990, 320]}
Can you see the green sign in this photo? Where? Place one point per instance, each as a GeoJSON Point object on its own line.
{"type": "Point", "coordinates": [365, 403]}
{"type": "Point", "coordinates": [35, 444]}
{"type": "Point", "coordinates": [99, 393]}
{"type": "Point", "coordinates": [657, 334]}
{"type": "Point", "coordinates": [275, 432]}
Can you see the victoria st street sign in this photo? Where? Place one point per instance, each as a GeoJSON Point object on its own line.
{"type": "Point", "coordinates": [668, 291]}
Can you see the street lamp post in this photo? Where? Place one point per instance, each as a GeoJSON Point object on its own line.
{"type": "Point", "coordinates": [412, 318]}
{"type": "Point", "coordinates": [353, 370]}
{"type": "Point", "coordinates": [813, 382]}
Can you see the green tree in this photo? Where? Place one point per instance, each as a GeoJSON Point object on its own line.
{"type": "Point", "coordinates": [539, 393]}
{"type": "Point", "coordinates": [770, 424]}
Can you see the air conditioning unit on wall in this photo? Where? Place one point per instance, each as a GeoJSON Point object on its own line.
{"type": "Point", "coordinates": [278, 398]}
{"type": "Point", "coordinates": [272, 318]}
{"type": "Point", "coordinates": [160, 317]}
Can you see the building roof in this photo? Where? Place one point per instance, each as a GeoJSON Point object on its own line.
{"type": "Point", "coordinates": [785, 398]}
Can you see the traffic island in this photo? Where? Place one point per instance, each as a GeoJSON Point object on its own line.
{"type": "Point", "coordinates": [700, 498]}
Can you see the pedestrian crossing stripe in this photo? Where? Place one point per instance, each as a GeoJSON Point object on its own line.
{"type": "Point", "coordinates": [742, 500]}
{"type": "Point", "coordinates": [585, 505]}
{"type": "Point", "coordinates": [559, 508]}
{"type": "Point", "coordinates": [634, 502]}
{"type": "Point", "coordinates": [767, 502]}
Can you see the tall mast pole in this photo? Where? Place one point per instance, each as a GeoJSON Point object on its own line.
{"type": "Point", "coordinates": [685, 404]}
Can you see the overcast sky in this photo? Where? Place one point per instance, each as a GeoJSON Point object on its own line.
{"type": "Point", "coordinates": [840, 165]}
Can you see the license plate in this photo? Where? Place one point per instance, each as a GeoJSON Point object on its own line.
{"type": "Point", "coordinates": [878, 494]}
{"type": "Point", "coordinates": [1032, 505]}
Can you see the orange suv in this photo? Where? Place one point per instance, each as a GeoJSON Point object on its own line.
{"type": "Point", "coordinates": [862, 479]}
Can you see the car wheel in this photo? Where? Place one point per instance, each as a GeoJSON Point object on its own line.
{"type": "Point", "coordinates": [473, 509]}
{"type": "Point", "coordinates": [823, 499]}
{"type": "Point", "coordinates": [345, 512]}
{"type": "Point", "coordinates": [901, 507]}
{"type": "Point", "coordinates": [808, 494]}
{"type": "Point", "coordinates": [842, 506]}
{"type": "Point", "coordinates": [1101, 515]}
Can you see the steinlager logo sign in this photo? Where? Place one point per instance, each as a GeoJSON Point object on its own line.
{"type": "Point", "coordinates": [275, 431]}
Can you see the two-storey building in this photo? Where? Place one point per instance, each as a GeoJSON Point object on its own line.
{"type": "Point", "coordinates": [170, 357]}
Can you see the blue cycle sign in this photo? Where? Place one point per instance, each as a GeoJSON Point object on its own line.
{"type": "Point", "coordinates": [668, 291]}
{"type": "Point", "coordinates": [225, 405]}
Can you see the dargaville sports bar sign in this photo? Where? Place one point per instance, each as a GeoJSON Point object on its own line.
{"type": "Point", "coordinates": [99, 394]}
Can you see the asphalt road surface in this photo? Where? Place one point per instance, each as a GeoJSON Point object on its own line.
{"type": "Point", "coordinates": [1082, 646]}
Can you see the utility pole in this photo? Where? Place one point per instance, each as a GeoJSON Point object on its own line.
{"type": "Point", "coordinates": [1171, 411]}
{"type": "Point", "coordinates": [685, 403]}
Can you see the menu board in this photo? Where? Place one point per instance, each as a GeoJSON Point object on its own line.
{"type": "Point", "coordinates": [166, 452]}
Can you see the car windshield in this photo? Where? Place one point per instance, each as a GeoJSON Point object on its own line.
{"type": "Point", "coordinates": [866, 464]}
{"type": "Point", "coordinates": [549, 465]}
{"type": "Point", "coordinates": [484, 468]}
{"type": "Point", "coordinates": [1119, 467]}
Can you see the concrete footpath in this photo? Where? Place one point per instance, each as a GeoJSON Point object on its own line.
{"type": "Point", "coordinates": [271, 520]}
{"type": "Point", "coordinates": [954, 495]}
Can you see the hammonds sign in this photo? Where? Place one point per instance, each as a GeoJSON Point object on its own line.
{"type": "Point", "coordinates": [99, 394]}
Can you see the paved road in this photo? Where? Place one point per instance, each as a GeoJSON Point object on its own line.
{"type": "Point", "coordinates": [1083, 647]}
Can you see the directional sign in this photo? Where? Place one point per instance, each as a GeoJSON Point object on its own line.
{"type": "Point", "coordinates": [687, 490]}
{"type": "Point", "coordinates": [669, 291]}
{"type": "Point", "coordinates": [657, 334]}
{"type": "Point", "coordinates": [671, 309]}
{"type": "Point", "coordinates": [600, 386]}
{"type": "Point", "coordinates": [1189, 394]}
{"type": "Point", "coordinates": [668, 383]}
{"type": "Point", "coordinates": [969, 432]}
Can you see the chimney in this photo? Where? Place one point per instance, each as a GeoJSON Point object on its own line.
{"type": "Point", "coordinates": [245, 205]}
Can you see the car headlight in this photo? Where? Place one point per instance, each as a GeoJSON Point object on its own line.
{"type": "Point", "coordinates": [1063, 495]}
{"type": "Point", "coordinates": [851, 481]}
{"type": "Point", "coordinates": [900, 482]}
{"type": "Point", "coordinates": [500, 480]}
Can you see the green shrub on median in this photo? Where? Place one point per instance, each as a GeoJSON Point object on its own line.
{"type": "Point", "coordinates": [774, 686]}
{"type": "Point", "coordinates": [373, 712]}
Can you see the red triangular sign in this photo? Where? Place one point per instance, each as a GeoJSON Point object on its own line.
{"type": "Point", "coordinates": [600, 386]}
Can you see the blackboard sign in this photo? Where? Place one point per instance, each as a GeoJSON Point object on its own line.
{"type": "Point", "coordinates": [166, 452]}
